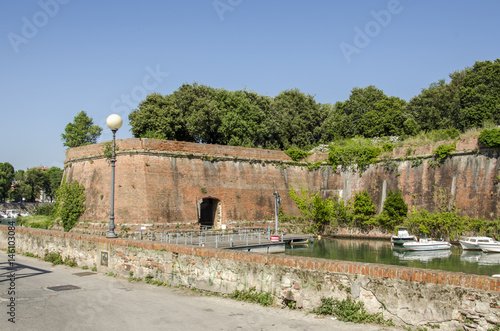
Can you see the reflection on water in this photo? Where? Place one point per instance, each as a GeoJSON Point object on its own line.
{"type": "Point", "coordinates": [374, 251]}
{"type": "Point", "coordinates": [480, 257]}
{"type": "Point", "coordinates": [422, 256]}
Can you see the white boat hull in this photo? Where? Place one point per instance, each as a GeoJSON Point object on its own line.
{"type": "Point", "coordinates": [427, 245]}
{"type": "Point", "coordinates": [493, 247]}
{"type": "Point", "coordinates": [472, 243]}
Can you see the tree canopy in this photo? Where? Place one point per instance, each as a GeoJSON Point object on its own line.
{"type": "Point", "coordinates": [81, 131]}
{"type": "Point", "coordinates": [6, 179]}
{"type": "Point", "coordinates": [293, 119]}
{"type": "Point", "coordinates": [28, 184]}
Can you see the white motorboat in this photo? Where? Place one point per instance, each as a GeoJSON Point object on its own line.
{"type": "Point", "coordinates": [425, 244]}
{"type": "Point", "coordinates": [402, 237]}
{"type": "Point", "coordinates": [491, 247]}
{"type": "Point", "coordinates": [11, 213]}
{"type": "Point", "coordinates": [472, 243]}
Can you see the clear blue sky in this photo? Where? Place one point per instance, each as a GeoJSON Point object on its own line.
{"type": "Point", "coordinates": [102, 56]}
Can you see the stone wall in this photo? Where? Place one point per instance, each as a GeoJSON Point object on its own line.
{"type": "Point", "coordinates": [164, 182]}
{"type": "Point", "coordinates": [411, 297]}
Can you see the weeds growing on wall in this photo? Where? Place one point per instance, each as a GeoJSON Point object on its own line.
{"type": "Point", "coordinates": [251, 295]}
{"type": "Point", "coordinates": [297, 154]}
{"type": "Point", "coordinates": [348, 310]}
{"type": "Point", "coordinates": [320, 215]}
{"type": "Point", "coordinates": [443, 151]}
{"type": "Point", "coordinates": [357, 151]}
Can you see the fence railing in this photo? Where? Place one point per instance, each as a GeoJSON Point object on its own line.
{"type": "Point", "coordinates": [212, 238]}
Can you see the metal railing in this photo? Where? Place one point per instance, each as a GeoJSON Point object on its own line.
{"type": "Point", "coordinates": [212, 238]}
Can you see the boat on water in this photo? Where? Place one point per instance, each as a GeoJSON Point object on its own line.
{"type": "Point", "coordinates": [490, 247]}
{"type": "Point", "coordinates": [402, 237]}
{"type": "Point", "coordinates": [472, 243]}
{"type": "Point", "coordinates": [425, 244]}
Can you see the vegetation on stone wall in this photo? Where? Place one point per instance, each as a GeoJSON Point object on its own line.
{"type": "Point", "coordinates": [349, 310]}
{"type": "Point", "coordinates": [443, 151]}
{"type": "Point", "coordinates": [490, 138]}
{"type": "Point", "coordinates": [359, 152]}
{"type": "Point", "coordinates": [296, 154]}
{"type": "Point", "coordinates": [70, 203]}
{"type": "Point", "coordinates": [324, 215]}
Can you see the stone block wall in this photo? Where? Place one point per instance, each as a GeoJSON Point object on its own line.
{"type": "Point", "coordinates": [410, 297]}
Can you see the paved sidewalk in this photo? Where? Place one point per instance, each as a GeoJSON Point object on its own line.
{"type": "Point", "coordinates": [107, 303]}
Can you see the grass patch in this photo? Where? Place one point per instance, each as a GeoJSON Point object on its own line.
{"type": "Point", "coordinates": [55, 258]}
{"type": "Point", "coordinates": [35, 221]}
{"type": "Point", "coordinates": [263, 298]}
{"type": "Point", "coordinates": [348, 310]}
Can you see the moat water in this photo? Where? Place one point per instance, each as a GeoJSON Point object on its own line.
{"type": "Point", "coordinates": [382, 252]}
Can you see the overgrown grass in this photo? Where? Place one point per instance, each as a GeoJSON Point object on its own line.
{"type": "Point", "coordinates": [251, 295]}
{"type": "Point", "coordinates": [55, 258]}
{"type": "Point", "coordinates": [35, 221]}
{"type": "Point", "coordinates": [348, 310]}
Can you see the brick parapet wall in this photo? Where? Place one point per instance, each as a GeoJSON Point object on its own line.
{"type": "Point", "coordinates": [169, 147]}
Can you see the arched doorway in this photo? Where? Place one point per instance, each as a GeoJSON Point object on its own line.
{"type": "Point", "coordinates": [209, 213]}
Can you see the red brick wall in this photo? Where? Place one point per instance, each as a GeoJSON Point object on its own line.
{"type": "Point", "coordinates": [162, 181]}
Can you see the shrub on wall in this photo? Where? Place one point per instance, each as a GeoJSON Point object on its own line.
{"type": "Point", "coordinates": [70, 203]}
{"type": "Point", "coordinates": [443, 151]}
{"type": "Point", "coordinates": [360, 152]}
{"type": "Point", "coordinates": [490, 138]}
{"type": "Point", "coordinates": [296, 154]}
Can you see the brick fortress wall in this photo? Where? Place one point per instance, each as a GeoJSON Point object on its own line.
{"type": "Point", "coordinates": [162, 182]}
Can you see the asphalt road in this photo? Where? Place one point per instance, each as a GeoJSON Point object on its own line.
{"type": "Point", "coordinates": [107, 303]}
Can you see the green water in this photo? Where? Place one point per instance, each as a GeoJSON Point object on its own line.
{"type": "Point", "coordinates": [5, 221]}
{"type": "Point", "coordinates": [382, 252]}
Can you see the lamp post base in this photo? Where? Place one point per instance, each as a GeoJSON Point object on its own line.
{"type": "Point", "coordinates": [111, 235]}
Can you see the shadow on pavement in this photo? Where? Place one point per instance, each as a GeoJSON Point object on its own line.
{"type": "Point", "coordinates": [21, 271]}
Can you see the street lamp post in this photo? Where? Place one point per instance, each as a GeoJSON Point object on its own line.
{"type": "Point", "coordinates": [276, 204]}
{"type": "Point", "coordinates": [114, 122]}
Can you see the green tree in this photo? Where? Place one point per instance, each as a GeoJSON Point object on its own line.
{"type": "Point", "coordinates": [81, 131]}
{"type": "Point", "coordinates": [70, 203]}
{"type": "Point", "coordinates": [437, 107]}
{"type": "Point", "coordinates": [370, 113]}
{"type": "Point", "coordinates": [53, 177]}
{"type": "Point", "coordinates": [35, 181]}
{"type": "Point", "coordinates": [363, 210]}
{"type": "Point", "coordinates": [394, 211]}
{"type": "Point", "coordinates": [6, 179]}
{"type": "Point", "coordinates": [20, 189]}
{"type": "Point", "coordinates": [243, 118]}
{"type": "Point", "coordinates": [480, 95]}
{"type": "Point", "coordinates": [298, 119]}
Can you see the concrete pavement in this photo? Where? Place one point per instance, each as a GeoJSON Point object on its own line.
{"type": "Point", "coordinates": [106, 303]}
